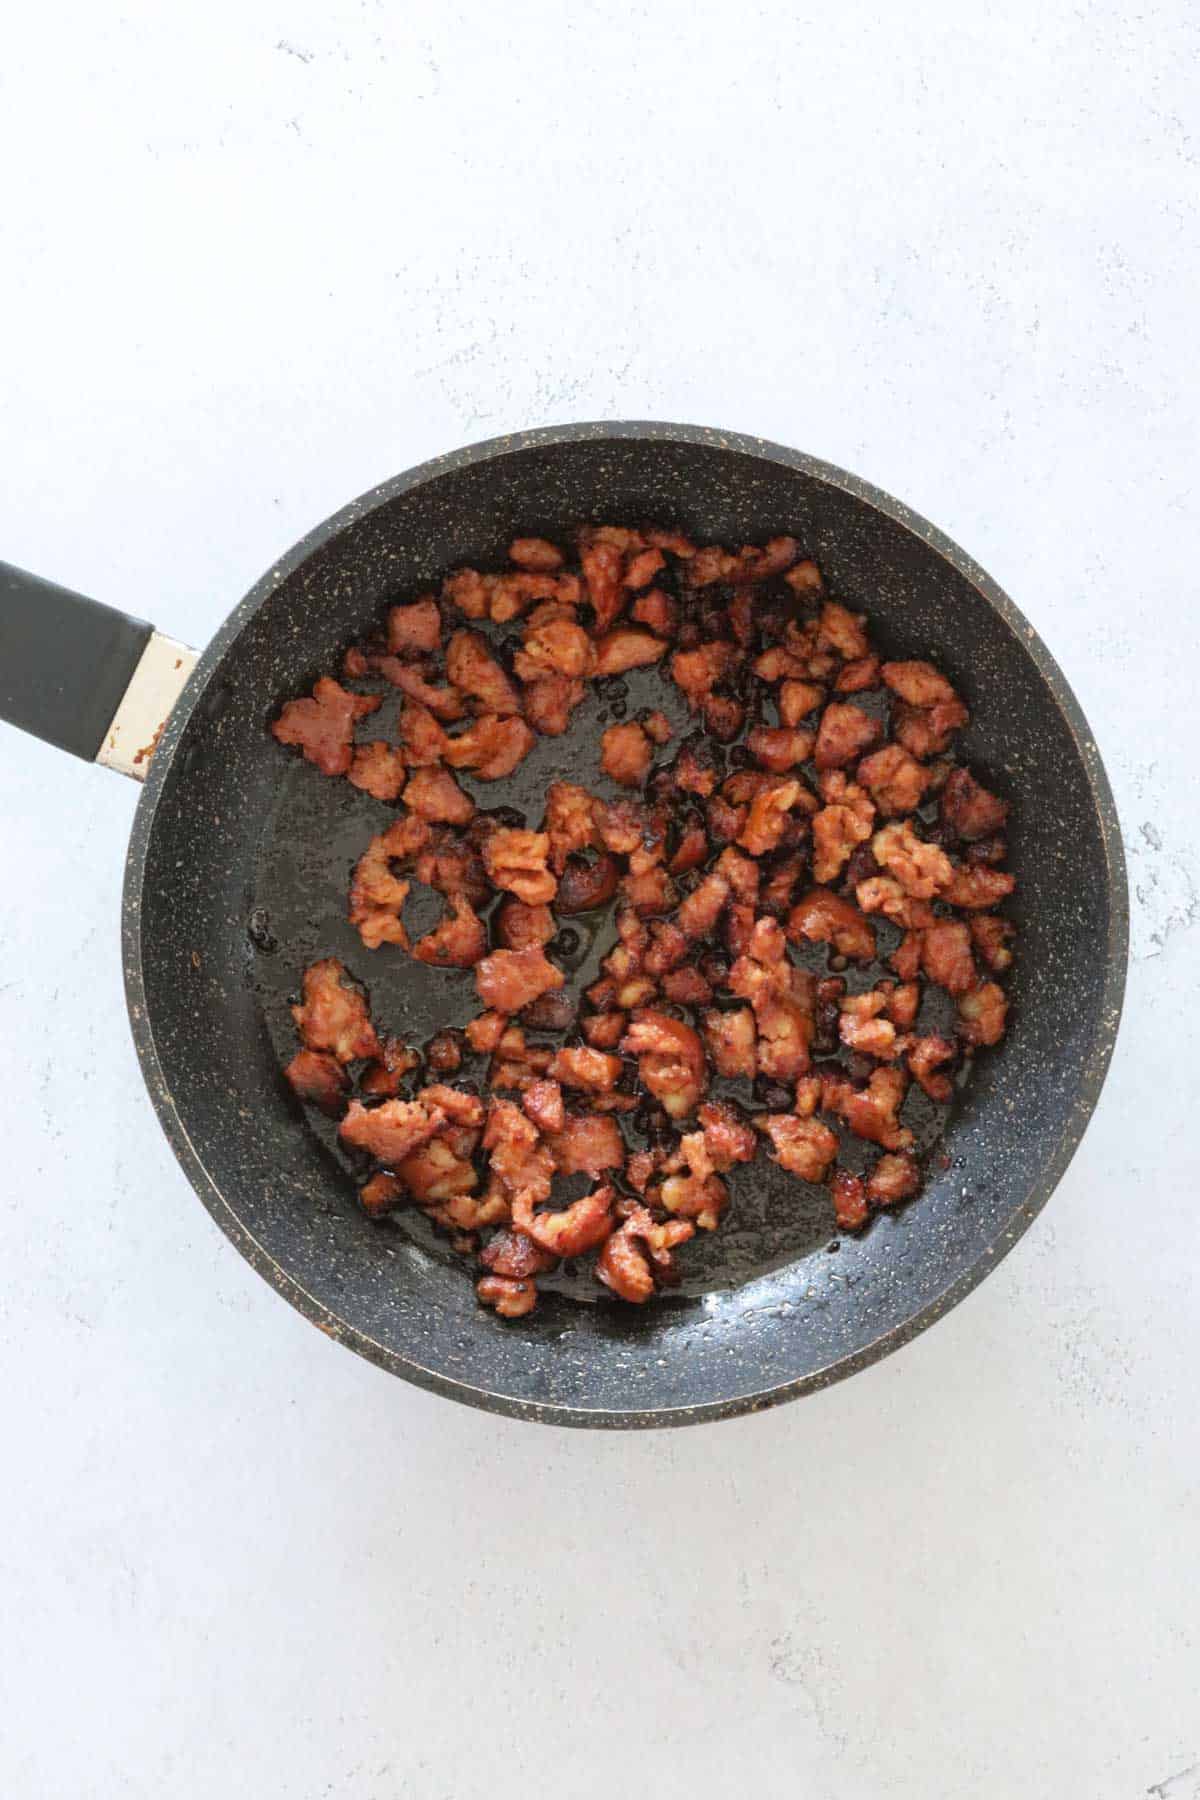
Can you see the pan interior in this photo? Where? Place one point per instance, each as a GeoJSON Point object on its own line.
{"type": "Point", "coordinates": [247, 858]}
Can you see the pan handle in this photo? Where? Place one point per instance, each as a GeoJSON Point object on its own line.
{"type": "Point", "coordinates": [83, 676]}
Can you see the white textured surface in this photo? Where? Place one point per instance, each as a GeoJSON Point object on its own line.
{"type": "Point", "coordinates": [257, 257]}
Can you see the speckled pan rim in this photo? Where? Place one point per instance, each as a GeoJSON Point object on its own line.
{"type": "Point", "coordinates": [1074, 1124]}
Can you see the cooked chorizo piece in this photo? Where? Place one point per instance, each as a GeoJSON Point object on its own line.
{"type": "Point", "coordinates": [390, 1131]}
{"type": "Point", "coordinates": [378, 768]}
{"type": "Point", "coordinates": [458, 942]}
{"type": "Point", "coordinates": [670, 1059]}
{"type": "Point", "coordinates": [627, 648]}
{"type": "Point", "coordinates": [992, 938]}
{"type": "Point", "coordinates": [322, 728]}
{"type": "Point", "coordinates": [849, 1200]}
{"type": "Point", "coordinates": [318, 1079]}
{"type": "Point", "coordinates": [968, 810]}
{"type": "Point", "coordinates": [333, 1014]}
{"type": "Point", "coordinates": [978, 887]}
{"type": "Point", "coordinates": [507, 980]}
{"type": "Point", "coordinates": [542, 1102]}
{"type": "Point", "coordinates": [435, 796]}
{"type": "Point", "coordinates": [549, 702]}
{"type": "Point", "coordinates": [626, 754]}
{"type": "Point", "coordinates": [946, 956]}
{"type": "Point", "coordinates": [822, 917]}
{"type": "Point", "coordinates": [804, 1147]}
{"type": "Point", "coordinates": [385, 1077]}
{"type": "Point", "coordinates": [577, 1228]}
{"type": "Point", "coordinates": [731, 1038]}
{"type": "Point", "coordinates": [510, 1299]}
{"type": "Point", "coordinates": [894, 1178]}
{"type": "Point", "coordinates": [894, 780]}
{"type": "Point", "coordinates": [415, 629]}
{"type": "Point", "coordinates": [518, 926]}
{"type": "Point", "coordinates": [535, 553]}
{"type": "Point", "coordinates": [492, 747]}
{"type": "Point", "coordinates": [473, 670]}
{"type": "Point", "coordinates": [982, 1013]}
{"type": "Point", "coordinates": [517, 860]}
{"type": "Point", "coordinates": [845, 734]}
{"type": "Point", "coordinates": [587, 1144]}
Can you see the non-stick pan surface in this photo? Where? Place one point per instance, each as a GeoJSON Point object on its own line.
{"type": "Point", "coordinates": [237, 878]}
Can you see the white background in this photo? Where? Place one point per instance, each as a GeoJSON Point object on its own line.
{"type": "Point", "coordinates": [255, 257]}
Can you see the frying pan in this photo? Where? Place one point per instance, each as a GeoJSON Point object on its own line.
{"type": "Point", "coordinates": [237, 874]}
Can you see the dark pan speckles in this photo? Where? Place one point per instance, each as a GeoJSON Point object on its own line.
{"type": "Point", "coordinates": [193, 881]}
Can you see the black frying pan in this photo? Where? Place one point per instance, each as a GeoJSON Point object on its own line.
{"type": "Point", "coordinates": [237, 877]}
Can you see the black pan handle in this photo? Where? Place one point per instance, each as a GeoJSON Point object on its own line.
{"type": "Point", "coordinates": [83, 676]}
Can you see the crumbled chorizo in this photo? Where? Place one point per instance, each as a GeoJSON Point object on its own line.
{"type": "Point", "coordinates": [385, 1077]}
{"type": "Point", "coordinates": [578, 1227]}
{"type": "Point", "coordinates": [779, 748]}
{"type": "Point", "coordinates": [517, 1064]}
{"type": "Point", "coordinates": [843, 823]}
{"type": "Point", "coordinates": [946, 955]}
{"type": "Point", "coordinates": [894, 1178]}
{"type": "Point", "coordinates": [857, 676]}
{"type": "Point", "coordinates": [804, 1147]}
{"type": "Point", "coordinates": [510, 1299]}
{"type": "Point", "coordinates": [922, 870]}
{"type": "Point", "coordinates": [570, 822]}
{"type": "Point", "coordinates": [458, 941]}
{"type": "Point", "coordinates": [727, 1137]}
{"type": "Point", "coordinates": [549, 702]}
{"type": "Point", "coordinates": [992, 938]}
{"type": "Point", "coordinates": [699, 1197]}
{"type": "Point", "coordinates": [535, 553]}
{"type": "Point", "coordinates": [318, 1079]}
{"type": "Point", "coordinates": [861, 1027]}
{"type": "Point", "coordinates": [768, 816]}
{"type": "Point", "coordinates": [443, 703]}
{"type": "Point", "coordinates": [485, 1031]}
{"type": "Point", "coordinates": [883, 894]}
{"type": "Point", "coordinates": [492, 747]}
{"type": "Point", "coordinates": [982, 1013]}
{"type": "Point", "coordinates": [926, 731]}
{"type": "Point", "coordinates": [698, 913]}
{"type": "Point", "coordinates": [841, 630]}
{"type": "Point", "coordinates": [555, 646]}
{"type": "Point", "coordinates": [849, 1200]}
{"type": "Point", "coordinates": [731, 1040]}
{"type": "Point", "coordinates": [516, 860]}
{"type": "Point", "coordinates": [871, 1112]}
{"type": "Point", "coordinates": [453, 866]}
{"type": "Point", "coordinates": [434, 795]}
{"type": "Point", "coordinates": [698, 671]}
{"type": "Point", "coordinates": [602, 576]}
{"type": "Point", "coordinates": [445, 1052]}
{"type": "Point", "coordinates": [918, 683]}
{"type": "Point", "coordinates": [518, 925]}
{"type": "Point", "coordinates": [670, 1060]}
{"type": "Point", "coordinates": [471, 667]}
{"type": "Point", "coordinates": [976, 887]}
{"type": "Point", "coordinates": [378, 769]}
{"type": "Point", "coordinates": [333, 1014]}
{"type": "Point", "coordinates": [507, 980]}
{"type": "Point", "coordinates": [390, 1131]}
{"type": "Point", "coordinates": [657, 612]}
{"type": "Point", "coordinates": [381, 1194]}
{"type": "Point", "coordinates": [894, 779]}
{"type": "Point", "coordinates": [542, 1102]}
{"type": "Point", "coordinates": [969, 810]}
{"type": "Point", "coordinates": [604, 1030]}
{"type": "Point", "coordinates": [845, 734]}
{"type": "Point", "coordinates": [322, 728]}
{"type": "Point", "coordinates": [415, 629]}
{"type": "Point", "coordinates": [424, 740]}
{"type": "Point", "coordinates": [647, 887]}
{"type": "Point", "coordinates": [626, 754]}
{"type": "Point", "coordinates": [627, 648]}
{"type": "Point", "coordinates": [822, 917]}
{"type": "Point", "coordinates": [520, 1162]}
{"type": "Point", "coordinates": [805, 578]}
{"type": "Point", "coordinates": [582, 1067]}
{"type": "Point", "coordinates": [797, 699]}
{"type": "Point", "coordinates": [925, 1058]}
{"type": "Point", "coordinates": [587, 1145]}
